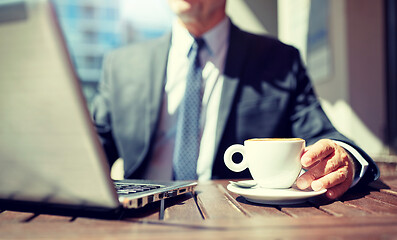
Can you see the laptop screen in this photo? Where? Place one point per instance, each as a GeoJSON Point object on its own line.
{"type": "Point", "coordinates": [48, 148]}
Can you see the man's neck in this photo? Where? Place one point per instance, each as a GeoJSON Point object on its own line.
{"type": "Point", "coordinates": [198, 27]}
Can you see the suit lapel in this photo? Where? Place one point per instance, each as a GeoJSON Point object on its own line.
{"type": "Point", "coordinates": [157, 74]}
{"type": "Point", "coordinates": [234, 63]}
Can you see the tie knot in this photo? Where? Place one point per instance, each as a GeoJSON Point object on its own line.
{"type": "Point", "coordinates": [198, 44]}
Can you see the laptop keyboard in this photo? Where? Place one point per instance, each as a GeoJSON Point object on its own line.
{"type": "Point", "coordinates": [128, 188]}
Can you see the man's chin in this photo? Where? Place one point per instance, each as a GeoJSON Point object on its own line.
{"type": "Point", "coordinates": [184, 9]}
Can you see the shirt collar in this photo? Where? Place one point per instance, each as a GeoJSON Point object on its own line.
{"type": "Point", "coordinates": [214, 38]}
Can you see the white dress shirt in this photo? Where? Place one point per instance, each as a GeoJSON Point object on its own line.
{"type": "Point", "coordinates": [213, 59]}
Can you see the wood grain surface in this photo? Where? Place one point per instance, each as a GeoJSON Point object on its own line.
{"type": "Point", "coordinates": [215, 213]}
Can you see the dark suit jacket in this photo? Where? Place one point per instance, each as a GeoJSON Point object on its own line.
{"type": "Point", "coordinates": [266, 93]}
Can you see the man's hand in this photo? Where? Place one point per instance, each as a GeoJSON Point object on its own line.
{"type": "Point", "coordinates": [328, 166]}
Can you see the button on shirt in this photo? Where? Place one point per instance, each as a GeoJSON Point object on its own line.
{"type": "Point", "coordinates": [212, 59]}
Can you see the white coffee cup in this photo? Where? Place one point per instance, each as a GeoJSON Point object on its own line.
{"type": "Point", "coordinates": [272, 162]}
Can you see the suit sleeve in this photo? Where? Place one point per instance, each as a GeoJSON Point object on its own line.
{"type": "Point", "coordinates": [101, 113]}
{"type": "Point", "coordinates": [310, 122]}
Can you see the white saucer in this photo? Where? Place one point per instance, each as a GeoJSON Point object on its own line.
{"type": "Point", "coordinates": [260, 195]}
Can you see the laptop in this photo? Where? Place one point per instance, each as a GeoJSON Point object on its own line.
{"type": "Point", "coordinates": [50, 155]}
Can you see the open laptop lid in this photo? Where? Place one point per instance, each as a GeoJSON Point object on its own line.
{"type": "Point", "coordinates": [49, 151]}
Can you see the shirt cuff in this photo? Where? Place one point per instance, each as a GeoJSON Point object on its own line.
{"type": "Point", "coordinates": [358, 157]}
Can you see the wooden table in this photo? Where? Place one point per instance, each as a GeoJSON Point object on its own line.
{"type": "Point", "coordinates": [215, 213]}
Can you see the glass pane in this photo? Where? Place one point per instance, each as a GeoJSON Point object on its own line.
{"type": "Point", "coordinates": [92, 28]}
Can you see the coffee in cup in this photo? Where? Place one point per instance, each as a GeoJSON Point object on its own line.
{"type": "Point", "coordinates": [272, 162]}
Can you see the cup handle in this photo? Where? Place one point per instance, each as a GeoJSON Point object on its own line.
{"type": "Point", "coordinates": [227, 158]}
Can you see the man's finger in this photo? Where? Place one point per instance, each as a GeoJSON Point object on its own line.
{"type": "Point", "coordinates": [331, 180]}
{"type": "Point", "coordinates": [324, 167]}
{"type": "Point", "coordinates": [317, 151]}
{"type": "Point", "coordinates": [338, 190]}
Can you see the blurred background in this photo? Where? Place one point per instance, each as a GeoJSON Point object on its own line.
{"type": "Point", "coordinates": [93, 27]}
{"type": "Point", "coordinates": [349, 47]}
